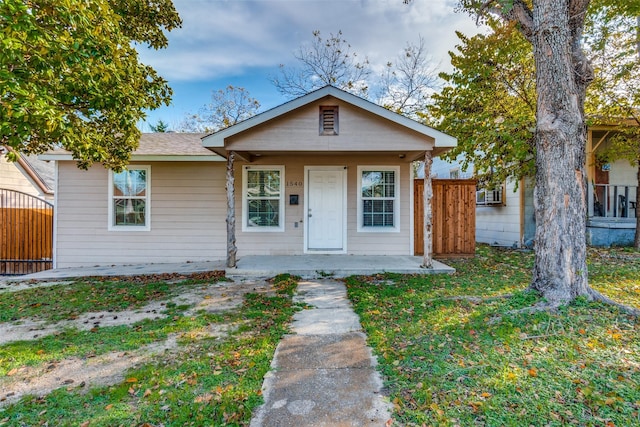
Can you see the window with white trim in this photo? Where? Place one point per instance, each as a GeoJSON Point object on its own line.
{"type": "Point", "coordinates": [129, 199]}
{"type": "Point", "coordinates": [378, 198]}
{"type": "Point", "coordinates": [263, 198]}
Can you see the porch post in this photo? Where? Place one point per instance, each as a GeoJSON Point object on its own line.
{"type": "Point", "coordinates": [427, 195]}
{"type": "Point", "coordinates": [231, 212]}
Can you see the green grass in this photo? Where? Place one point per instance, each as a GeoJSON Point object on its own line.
{"type": "Point", "coordinates": [447, 361]}
{"type": "Point", "coordinates": [206, 381]}
{"type": "Point", "coordinates": [62, 302]}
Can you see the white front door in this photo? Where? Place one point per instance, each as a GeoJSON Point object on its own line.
{"type": "Point", "coordinates": [325, 210]}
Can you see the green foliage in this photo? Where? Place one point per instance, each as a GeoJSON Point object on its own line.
{"type": "Point", "coordinates": [614, 95]}
{"type": "Point", "coordinates": [159, 127]}
{"type": "Point", "coordinates": [452, 352]}
{"type": "Point", "coordinates": [70, 76]}
{"type": "Point", "coordinates": [489, 104]}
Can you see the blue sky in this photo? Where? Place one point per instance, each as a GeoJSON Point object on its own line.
{"type": "Point", "coordinates": [243, 42]}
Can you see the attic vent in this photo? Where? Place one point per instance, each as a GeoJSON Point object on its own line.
{"type": "Point", "coordinates": [329, 120]}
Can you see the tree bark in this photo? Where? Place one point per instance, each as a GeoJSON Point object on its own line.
{"type": "Point", "coordinates": [562, 76]}
{"type": "Point", "coordinates": [427, 195]}
{"type": "Point", "coordinates": [231, 212]}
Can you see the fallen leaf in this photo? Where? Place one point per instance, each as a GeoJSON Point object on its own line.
{"type": "Point", "coordinates": [533, 372]}
{"type": "Point", "coordinates": [131, 380]}
{"type": "Point", "coordinates": [108, 407]}
{"type": "Point", "coordinates": [147, 393]}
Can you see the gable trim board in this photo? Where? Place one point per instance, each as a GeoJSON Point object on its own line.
{"type": "Point", "coordinates": [189, 194]}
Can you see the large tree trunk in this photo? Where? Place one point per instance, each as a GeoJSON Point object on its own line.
{"type": "Point", "coordinates": [562, 75]}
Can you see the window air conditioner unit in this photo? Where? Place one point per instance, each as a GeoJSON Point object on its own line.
{"type": "Point", "coordinates": [489, 197]}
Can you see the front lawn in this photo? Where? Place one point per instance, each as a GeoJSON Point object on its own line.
{"type": "Point", "coordinates": [449, 358]}
{"type": "Point", "coordinates": [211, 375]}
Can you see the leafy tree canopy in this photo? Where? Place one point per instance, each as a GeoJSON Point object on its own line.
{"type": "Point", "coordinates": [489, 100]}
{"type": "Point", "coordinates": [70, 75]}
{"type": "Point", "coordinates": [160, 127]}
{"type": "Point", "coordinates": [489, 103]}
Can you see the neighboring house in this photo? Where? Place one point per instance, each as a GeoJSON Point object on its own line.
{"type": "Point", "coordinates": [505, 216]}
{"type": "Point", "coordinates": [28, 175]}
{"type": "Point", "coordinates": [326, 173]}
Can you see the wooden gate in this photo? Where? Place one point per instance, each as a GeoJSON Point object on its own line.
{"type": "Point", "coordinates": [454, 217]}
{"type": "Point", "coordinates": [26, 233]}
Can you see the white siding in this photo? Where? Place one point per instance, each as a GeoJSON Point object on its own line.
{"type": "Point", "coordinates": [188, 211]}
{"type": "Point", "coordinates": [13, 177]}
{"type": "Point", "coordinates": [500, 225]}
{"type": "Point", "coordinates": [291, 241]}
{"type": "Point", "coordinates": [623, 173]}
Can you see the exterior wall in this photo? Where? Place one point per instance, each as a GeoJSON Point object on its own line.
{"type": "Point", "coordinates": [291, 240]}
{"type": "Point", "coordinates": [529, 214]}
{"type": "Point", "coordinates": [188, 212]}
{"type": "Point", "coordinates": [12, 177]}
{"type": "Point", "coordinates": [500, 225]}
{"type": "Point", "coordinates": [358, 131]}
{"type": "Point", "coordinates": [623, 173]}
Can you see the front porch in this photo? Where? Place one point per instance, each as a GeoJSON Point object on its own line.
{"type": "Point", "coordinates": [612, 215]}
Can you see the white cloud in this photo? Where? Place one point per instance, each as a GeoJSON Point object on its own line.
{"type": "Point", "coordinates": [224, 38]}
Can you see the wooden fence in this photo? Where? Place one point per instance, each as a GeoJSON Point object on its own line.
{"type": "Point", "coordinates": [26, 233]}
{"type": "Point", "coordinates": [454, 217]}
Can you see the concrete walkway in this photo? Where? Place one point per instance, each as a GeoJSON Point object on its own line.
{"type": "Point", "coordinates": [324, 373]}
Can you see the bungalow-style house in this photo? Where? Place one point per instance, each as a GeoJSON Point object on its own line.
{"type": "Point", "coordinates": [326, 173]}
{"type": "Point", "coordinates": [28, 175]}
{"type": "Point", "coordinates": [505, 215]}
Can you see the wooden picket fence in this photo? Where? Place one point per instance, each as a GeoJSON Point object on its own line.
{"type": "Point", "coordinates": [454, 217]}
{"type": "Point", "coordinates": [26, 233]}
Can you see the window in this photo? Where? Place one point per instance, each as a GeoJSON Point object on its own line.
{"type": "Point", "coordinates": [129, 195]}
{"type": "Point", "coordinates": [490, 197]}
{"type": "Point", "coordinates": [263, 204]}
{"type": "Point", "coordinates": [378, 198]}
{"type": "Point", "coordinates": [454, 173]}
{"type": "Point", "coordinates": [328, 120]}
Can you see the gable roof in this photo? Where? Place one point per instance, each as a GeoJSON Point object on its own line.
{"type": "Point", "coordinates": [217, 139]}
{"type": "Point", "coordinates": [158, 146]}
{"type": "Point", "coordinates": [42, 173]}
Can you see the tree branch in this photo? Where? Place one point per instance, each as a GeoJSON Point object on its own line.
{"type": "Point", "coordinates": [519, 12]}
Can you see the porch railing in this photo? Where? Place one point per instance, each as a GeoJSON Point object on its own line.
{"type": "Point", "coordinates": [612, 201]}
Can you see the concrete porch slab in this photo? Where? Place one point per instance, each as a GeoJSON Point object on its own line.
{"type": "Point", "coordinates": [311, 266]}
{"type": "Point", "coordinates": [255, 266]}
